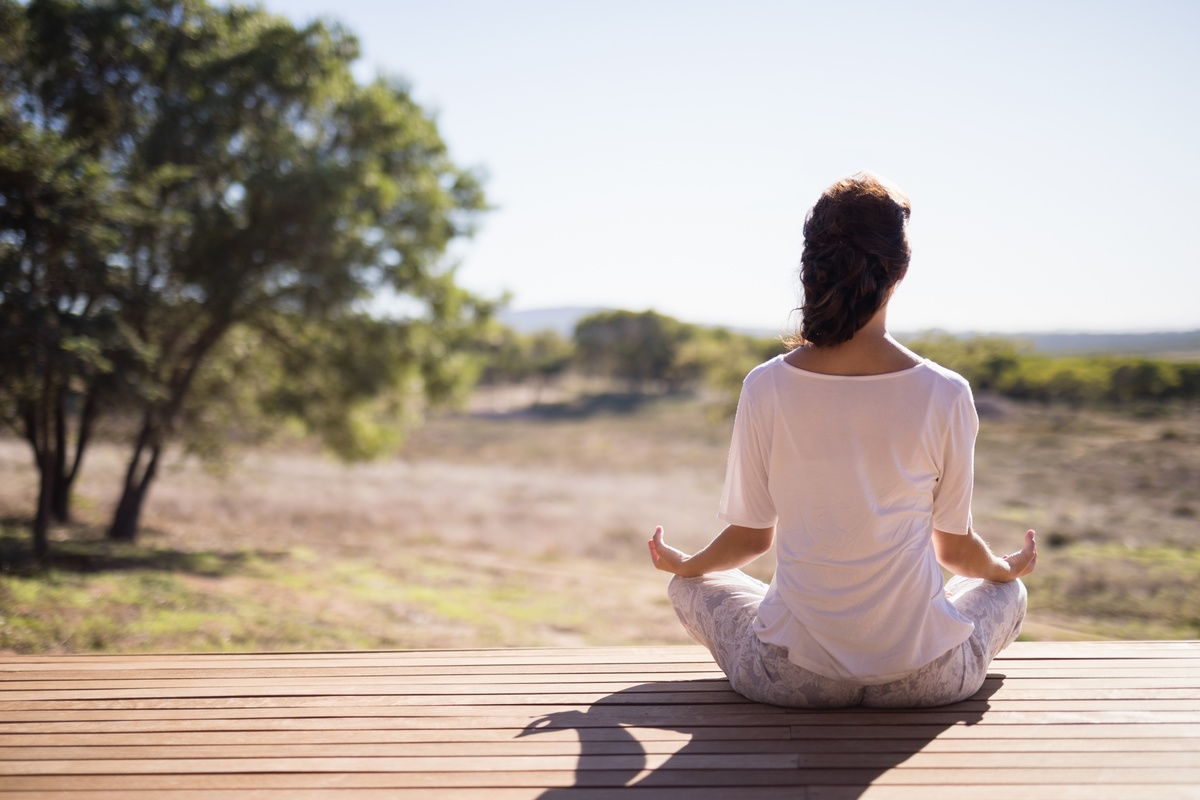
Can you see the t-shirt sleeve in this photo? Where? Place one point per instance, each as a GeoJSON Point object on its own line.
{"type": "Point", "coordinates": [746, 498]}
{"type": "Point", "coordinates": [952, 494]}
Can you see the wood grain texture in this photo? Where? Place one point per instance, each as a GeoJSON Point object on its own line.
{"type": "Point", "coordinates": [1055, 719]}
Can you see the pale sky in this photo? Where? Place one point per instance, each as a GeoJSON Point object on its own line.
{"type": "Point", "coordinates": [660, 154]}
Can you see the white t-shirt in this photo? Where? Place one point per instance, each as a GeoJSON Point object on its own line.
{"type": "Point", "coordinates": [855, 472]}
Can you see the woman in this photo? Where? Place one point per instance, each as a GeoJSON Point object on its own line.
{"type": "Point", "coordinates": [857, 456]}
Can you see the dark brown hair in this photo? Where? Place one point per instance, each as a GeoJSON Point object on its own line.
{"type": "Point", "coordinates": [855, 250]}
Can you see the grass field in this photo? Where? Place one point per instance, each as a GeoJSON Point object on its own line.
{"type": "Point", "coordinates": [507, 526]}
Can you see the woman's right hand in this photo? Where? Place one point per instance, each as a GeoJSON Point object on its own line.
{"type": "Point", "coordinates": [665, 557]}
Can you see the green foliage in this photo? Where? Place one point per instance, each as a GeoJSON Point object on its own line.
{"type": "Point", "coordinates": [724, 357]}
{"type": "Point", "coordinates": [984, 361]}
{"type": "Point", "coordinates": [1010, 368]}
{"type": "Point", "coordinates": [652, 348]}
{"type": "Point", "coordinates": [648, 350]}
{"type": "Point", "coordinates": [510, 357]}
{"type": "Point", "coordinates": [641, 348]}
{"type": "Point", "coordinates": [174, 173]}
{"type": "Point", "coordinates": [355, 381]}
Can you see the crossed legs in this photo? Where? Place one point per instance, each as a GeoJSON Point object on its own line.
{"type": "Point", "coordinates": [718, 611]}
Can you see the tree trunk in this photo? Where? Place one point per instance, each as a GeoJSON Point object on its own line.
{"type": "Point", "coordinates": [65, 475]}
{"type": "Point", "coordinates": [41, 519]}
{"type": "Point", "coordinates": [156, 426]}
{"type": "Point", "coordinates": [127, 517]}
{"type": "Point", "coordinates": [37, 422]}
{"type": "Point", "coordinates": [60, 492]}
{"type": "Point", "coordinates": [60, 500]}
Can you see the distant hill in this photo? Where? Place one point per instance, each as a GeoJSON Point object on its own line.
{"type": "Point", "coordinates": [1178, 344]}
{"type": "Point", "coordinates": [562, 320]}
{"type": "Point", "coordinates": [1166, 342]}
{"type": "Point", "coordinates": [1171, 344]}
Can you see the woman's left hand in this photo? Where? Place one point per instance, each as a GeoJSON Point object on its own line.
{"type": "Point", "coordinates": [665, 557]}
{"type": "Point", "coordinates": [1022, 562]}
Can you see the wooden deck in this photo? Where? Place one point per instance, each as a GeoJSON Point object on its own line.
{"type": "Point", "coordinates": [1055, 720]}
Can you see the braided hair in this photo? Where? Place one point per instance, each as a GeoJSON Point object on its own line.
{"type": "Point", "coordinates": [855, 250]}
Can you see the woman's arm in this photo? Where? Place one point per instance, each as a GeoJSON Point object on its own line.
{"type": "Point", "coordinates": [970, 557]}
{"type": "Point", "coordinates": [734, 547]}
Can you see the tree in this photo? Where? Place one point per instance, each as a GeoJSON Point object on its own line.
{"type": "Point", "coordinates": [512, 358]}
{"type": "Point", "coordinates": [262, 190]}
{"type": "Point", "coordinates": [50, 214]}
{"type": "Point", "coordinates": [642, 348]}
{"type": "Point", "coordinates": [988, 362]}
{"type": "Point", "coordinates": [60, 338]}
{"type": "Point", "coordinates": [550, 355]}
{"type": "Point", "coordinates": [724, 358]}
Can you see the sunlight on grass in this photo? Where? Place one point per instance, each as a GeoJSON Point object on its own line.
{"type": "Point", "coordinates": [203, 603]}
{"type": "Point", "coordinates": [1121, 591]}
{"type": "Point", "coordinates": [526, 530]}
{"type": "Point", "coordinates": [63, 611]}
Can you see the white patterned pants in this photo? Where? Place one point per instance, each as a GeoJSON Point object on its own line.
{"type": "Point", "coordinates": [718, 610]}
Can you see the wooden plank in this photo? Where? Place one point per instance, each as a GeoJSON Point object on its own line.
{"type": "Point", "coordinates": [703, 670]}
{"type": "Point", "coordinates": [340, 727]}
{"type": "Point", "coordinates": [508, 684]}
{"type": "Point", "coordinates": [518, 716]}
{"type": "Point", "coordinates": [1035, 731]}
{"type": "Point", "coordinates": [266, 667]}
{"type": "Point", "coordinates": [300, 677]}
{"type": "Point", "coordinates": [810, 792]}
{"type": "Point", "coordinates": [1091, 720]}
{"type": "Point", "coordinates": [542, 686]}
{"type": "Point", "coordinates": [458, 779]}
{"type": "Point", "coordinates": [72, 764]}
{"type": "Point", "coordinates": [1182, 699]}
{"type": "Point", "coordinates": [1023, 791]}
{"type": "Point", "coordinates": [216, 789]}
{"type": "Point", "coordinates": [598, 657]}
{"type": "Point", "coordinates": [965, 777]}
{"type": "Point", "coordinates": [1047, 649]}
{"type": "Point", "coordinates": [398, 664]}
{"type": "Point", "coordinates": [629, 654]}
{"type": "Point", "coordinates": [1144, 779]}
{"type": "Point", "coordinates": [1089, 669]}
{"type": "Point", "coordinates": [433, 729]}
{"type": "Point", "coordinates": [433, 715]}
{"type": "Point", "coordinates": [327, 758]}
{"type": "Point", "coordinates": [467, 729]}
{"type": "Point", "coordinates": [1121, 669]}
{"type": "Point", "coordinates": [404, 743]}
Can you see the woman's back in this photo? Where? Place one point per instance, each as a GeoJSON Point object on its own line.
{"type": "Point", "coordinates": [852, 470]}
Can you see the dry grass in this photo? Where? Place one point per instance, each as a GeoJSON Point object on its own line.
{"type": "Point", "coordinates": [525, 529]}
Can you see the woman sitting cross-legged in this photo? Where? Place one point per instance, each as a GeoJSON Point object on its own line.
{"type": "Point", "coordinates": [855, 458]}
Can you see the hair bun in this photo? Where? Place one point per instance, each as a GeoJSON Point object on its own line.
{"type": "Point", "coordinates": [855, 250]}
